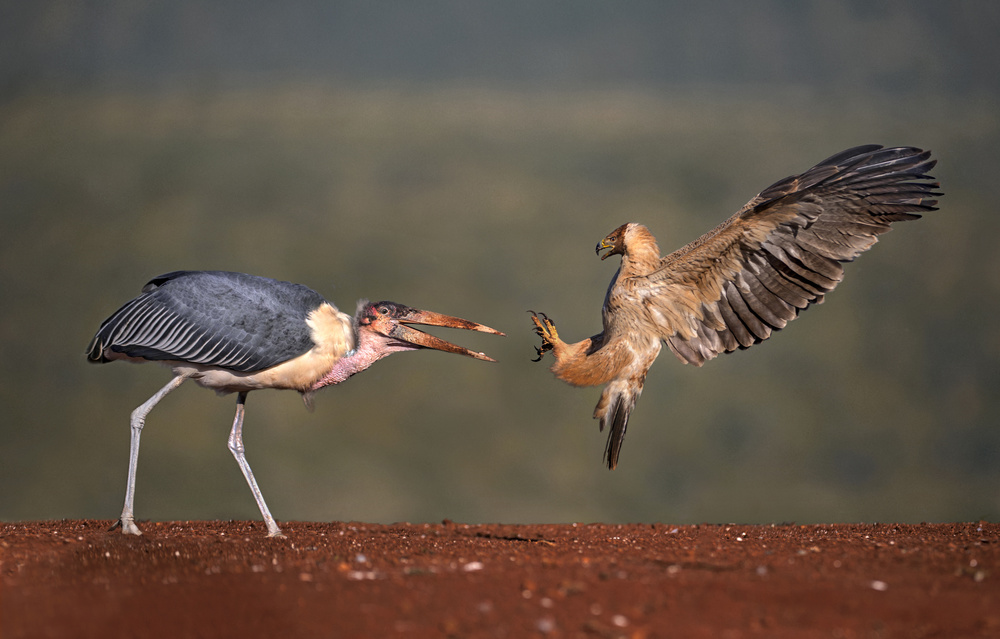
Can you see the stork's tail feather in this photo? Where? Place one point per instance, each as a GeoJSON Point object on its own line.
{"type": "Point", "coordinates": [95, 351]}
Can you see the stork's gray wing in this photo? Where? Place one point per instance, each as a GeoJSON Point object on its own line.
{"type": "Point", "coordinates": [235, 321]}
{"type": "Point", "coordinates": [783, 251]}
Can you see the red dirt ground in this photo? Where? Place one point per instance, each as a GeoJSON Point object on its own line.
{"type": "Point", "coordinates": [190, 579]}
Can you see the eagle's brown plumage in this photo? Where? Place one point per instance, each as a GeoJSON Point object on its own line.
{"type": "Point", "coordinates": [735, 285]}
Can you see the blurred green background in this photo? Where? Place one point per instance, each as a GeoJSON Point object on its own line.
{"type": "Point", "coordinates": [465, 157]}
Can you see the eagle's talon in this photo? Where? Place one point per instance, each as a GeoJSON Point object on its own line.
{"type": "Point", "coordinates": [542, 350]}
{"type": "Point", "coordinates": [545, 329]}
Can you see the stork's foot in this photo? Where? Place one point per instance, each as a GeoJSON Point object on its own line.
{"type": "Point", "coordinates": [127, 525]}
{"type": "Point", "coordinates": [546, 329]}
{"type": "Point", "coordinates": [276, 533]}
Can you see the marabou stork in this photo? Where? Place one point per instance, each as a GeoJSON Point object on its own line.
{"type": "Point", "coordinates": [735, 285]}
{"type": "Point", "coordinates": [235, 333]}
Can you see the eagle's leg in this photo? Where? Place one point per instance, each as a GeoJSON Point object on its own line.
{"type": "Point", "coordinates": [545, 329]}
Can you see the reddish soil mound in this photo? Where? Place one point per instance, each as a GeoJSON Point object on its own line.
{"type": "Point", "coordinates": [188, 579]}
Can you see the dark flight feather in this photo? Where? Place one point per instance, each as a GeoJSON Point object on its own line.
{"type": "Point", "coordinates": [235, 321]}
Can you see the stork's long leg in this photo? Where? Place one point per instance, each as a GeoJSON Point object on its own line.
{"type": "Point", "coordinates": [236, 446]}
{"type": "Point", "coordinates": [127, 520]}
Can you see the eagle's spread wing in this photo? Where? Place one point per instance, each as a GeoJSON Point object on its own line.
{"type": "Point", "coordinates": [783, 250]}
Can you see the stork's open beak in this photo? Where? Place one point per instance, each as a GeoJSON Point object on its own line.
{"type": "Point", "coordinates": [405, 333]}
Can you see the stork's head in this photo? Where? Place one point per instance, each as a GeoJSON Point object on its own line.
{"type": "Point", "coordinates": [391, 320]}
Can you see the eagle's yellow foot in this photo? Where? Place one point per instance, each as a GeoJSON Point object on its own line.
{"type": "Point", "coordinates": [545, 329]}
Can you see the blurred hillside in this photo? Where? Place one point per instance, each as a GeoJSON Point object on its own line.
{"type": "Point", "coordinates": [466, 158]}
{"type": "Point", "coordinates": [851, 46]}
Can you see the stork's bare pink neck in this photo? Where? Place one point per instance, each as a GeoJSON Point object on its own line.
{"type": "Point", "coordinates": [370, 349]}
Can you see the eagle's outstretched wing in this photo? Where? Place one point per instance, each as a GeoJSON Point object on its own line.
{"type": "Point", "coordinates": [734, 286]}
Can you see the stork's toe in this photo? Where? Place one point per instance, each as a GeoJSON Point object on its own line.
{"type": "Point", "coordinates": [128, 527]}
